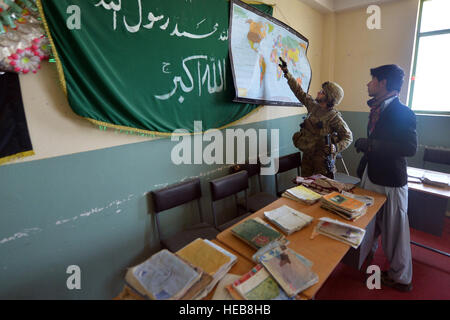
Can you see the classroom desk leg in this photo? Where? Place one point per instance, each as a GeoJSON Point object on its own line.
{"type": "Point", "coordinates": [426, 212]}
{"type": "Point", "coordinates": [430, 248]}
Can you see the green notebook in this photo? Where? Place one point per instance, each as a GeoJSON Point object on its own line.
{"type": "Point", "coordinates": [255, 233]}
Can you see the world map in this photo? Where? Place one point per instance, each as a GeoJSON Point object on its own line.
{"type": "Point", "coordinates": [257, 42]}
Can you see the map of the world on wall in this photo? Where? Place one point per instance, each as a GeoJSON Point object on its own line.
{"type": "Point", "coordinates": [257, 41]}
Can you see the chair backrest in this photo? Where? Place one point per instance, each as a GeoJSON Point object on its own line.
{"type": "Point", "coordinates": [286, 163]}
{"type": "Point", "coordinates": [437, 155]}
{"type": "Point", "coordinates": [252, 170]}
{"type": "Point", "coordinates": [227, 186]}
{"type": "Point", "coordinates": [176, 195]}
{"type": "Point", "coordinates": [290, 161]}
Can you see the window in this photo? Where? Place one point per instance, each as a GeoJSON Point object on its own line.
{"type": "Point", "coordinates": [430, 83]}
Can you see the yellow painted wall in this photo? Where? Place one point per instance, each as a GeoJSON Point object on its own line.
{"type": "Point", "coordinates": [55, 130]}
{"type": "Point", "coordinates": [358, 49]}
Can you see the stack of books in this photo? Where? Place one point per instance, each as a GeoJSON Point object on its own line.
{"type": "Point", "coordinates": [165, 276]}
{"type": "Point", "coordinates": [343, 205]}
{"type": "Point", "coordinates": [189, 274]}
{"type": "Point", "coordinates": [433, 179]}
{"type": "Point", "coordinates": [212, 259]}
{"type": "Point", "coordinates": [256, 233]}
{"type": "Point", "coordinates": [368, 200]}
{"type": "Point", "coordinates": [281, 274]}
{"type": "Point", "coordinates": [257, 284]}
{"type": "Point", "coordinates": [287, 219]}
{"type": "Point", "coordinates": [302, 194]}
{"type": "Point", "coordinates": [340, 231]}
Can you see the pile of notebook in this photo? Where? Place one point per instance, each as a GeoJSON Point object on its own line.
{"type": "Point", "coordinates": [288, 219]}
{"type": "Point", "coordinates": [437, 180]}
{"type": "Point", "coordinates": [433, 179]}
{"type": "Point", "coordinates": [189, 274]}
{"type": "Point", "coordinates": [281, 274]}
{"type": "Point", "coordinates": [343, 205]}
{"type": "Point", "coordinates": [323, 185]}
{"type": "Point", "coordinates": [340, 231]}
{"type": "Point", "coordinates": [302, 194]}
{"type": "Point", "coordinates": [256, 233]}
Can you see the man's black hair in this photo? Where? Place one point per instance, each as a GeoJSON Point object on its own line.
{"type": "Point", "coordinates": [392, 73]}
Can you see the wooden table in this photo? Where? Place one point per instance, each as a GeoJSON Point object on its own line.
{"type": "Point", "coordinates": [324, 252]}
{"type": "Point", "coordinates": [427, 205]}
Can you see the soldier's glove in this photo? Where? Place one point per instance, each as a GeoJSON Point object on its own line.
{"type": "Point", "coordinates": [283, 66]}
{"type": "Point", "coordinates": [331, 149]}
{"type": "Point", "coordinates": [362, 145]}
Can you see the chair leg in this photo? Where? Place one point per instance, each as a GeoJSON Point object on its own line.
{"type": "Point", "coordinates": [214, 215]}
{"type": "Point", "coordinates": [345, 167]}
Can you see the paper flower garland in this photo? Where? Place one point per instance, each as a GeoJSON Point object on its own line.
{"type": "Point", "coordinates": [23, 44]}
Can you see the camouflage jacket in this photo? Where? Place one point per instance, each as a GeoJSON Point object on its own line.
{"type": "Point", "coordinates": [319, 123]}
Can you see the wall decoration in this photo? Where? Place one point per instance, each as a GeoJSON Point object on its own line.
{"type": "Point", "coordinates": [23, 44]}
{"type": "Point", "coordinates": [15, 141]}
{"type": "Point", "coordinates": [257, 41]}
{"type": "Point", "coordinates": [145, 66]}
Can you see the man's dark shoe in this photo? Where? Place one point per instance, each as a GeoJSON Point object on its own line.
{"type": "Point", "coordinates": [387, 281]}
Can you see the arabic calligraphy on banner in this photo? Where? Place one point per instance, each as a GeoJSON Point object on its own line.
{"type": "Point", "coordinates": [154, 66]}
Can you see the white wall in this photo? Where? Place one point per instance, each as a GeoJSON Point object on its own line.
{"type": "Point", "coordinates": [358, 49]}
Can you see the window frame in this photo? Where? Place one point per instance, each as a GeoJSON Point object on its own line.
{"type": "Point", "coordinates": [419, 35]}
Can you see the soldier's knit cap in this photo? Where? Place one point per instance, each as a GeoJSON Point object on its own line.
{"type": "Point", "coordinates": [334, 92]}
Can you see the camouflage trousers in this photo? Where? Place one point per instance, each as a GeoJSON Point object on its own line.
{"type": "Point", "coordinates": [314, 164]}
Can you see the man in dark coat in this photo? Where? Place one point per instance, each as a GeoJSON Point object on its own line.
{"type": "Point", "coordinates": [391, 138]}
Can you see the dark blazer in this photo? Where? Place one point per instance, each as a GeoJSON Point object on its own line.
{"type": "Point", "coordinates": [393, 139]}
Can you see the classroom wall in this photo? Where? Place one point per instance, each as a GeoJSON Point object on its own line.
{"type": "Point", "coordinates": [358, 49]}
{"type": "Point", "coordinates": [83, 198]}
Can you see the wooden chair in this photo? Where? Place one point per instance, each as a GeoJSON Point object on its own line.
{"type": "Point", "coordinates": [286, 163]}
{"type": "Point", "coordinates": [259, 199]}
{"type": "Point", "coordinates": [174, 196]}
{"type": "Point", "coordinates": [225, 187]}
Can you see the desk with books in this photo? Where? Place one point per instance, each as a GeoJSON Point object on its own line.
{"type": "Point", "coordinates": [427, 203]}
{"type": "Point", "coordinates": [324, 252]}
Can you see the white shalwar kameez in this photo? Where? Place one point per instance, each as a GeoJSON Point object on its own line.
{"type": "Point", "coordinates": [393, 225]}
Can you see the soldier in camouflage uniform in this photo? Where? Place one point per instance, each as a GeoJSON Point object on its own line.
{"type": "Point", "coordinates": [322, 120]}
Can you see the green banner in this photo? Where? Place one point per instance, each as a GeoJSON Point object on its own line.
{"type": "Point", "coordinates": [151, 65]}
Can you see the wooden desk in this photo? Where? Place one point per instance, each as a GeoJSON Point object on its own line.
{"type": "Point", "coordinates": [324, 252]}
{"type": "Point", "coordinates": [427, 204]}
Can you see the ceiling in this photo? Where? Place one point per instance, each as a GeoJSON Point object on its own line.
{"type": "Point", "coordinates": [327, 6]}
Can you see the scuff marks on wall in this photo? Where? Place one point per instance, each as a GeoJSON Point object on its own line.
{"type": "Point", "coordinates": [22, 234]}
{"type": "Point", "coordinates": [115, 205]}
